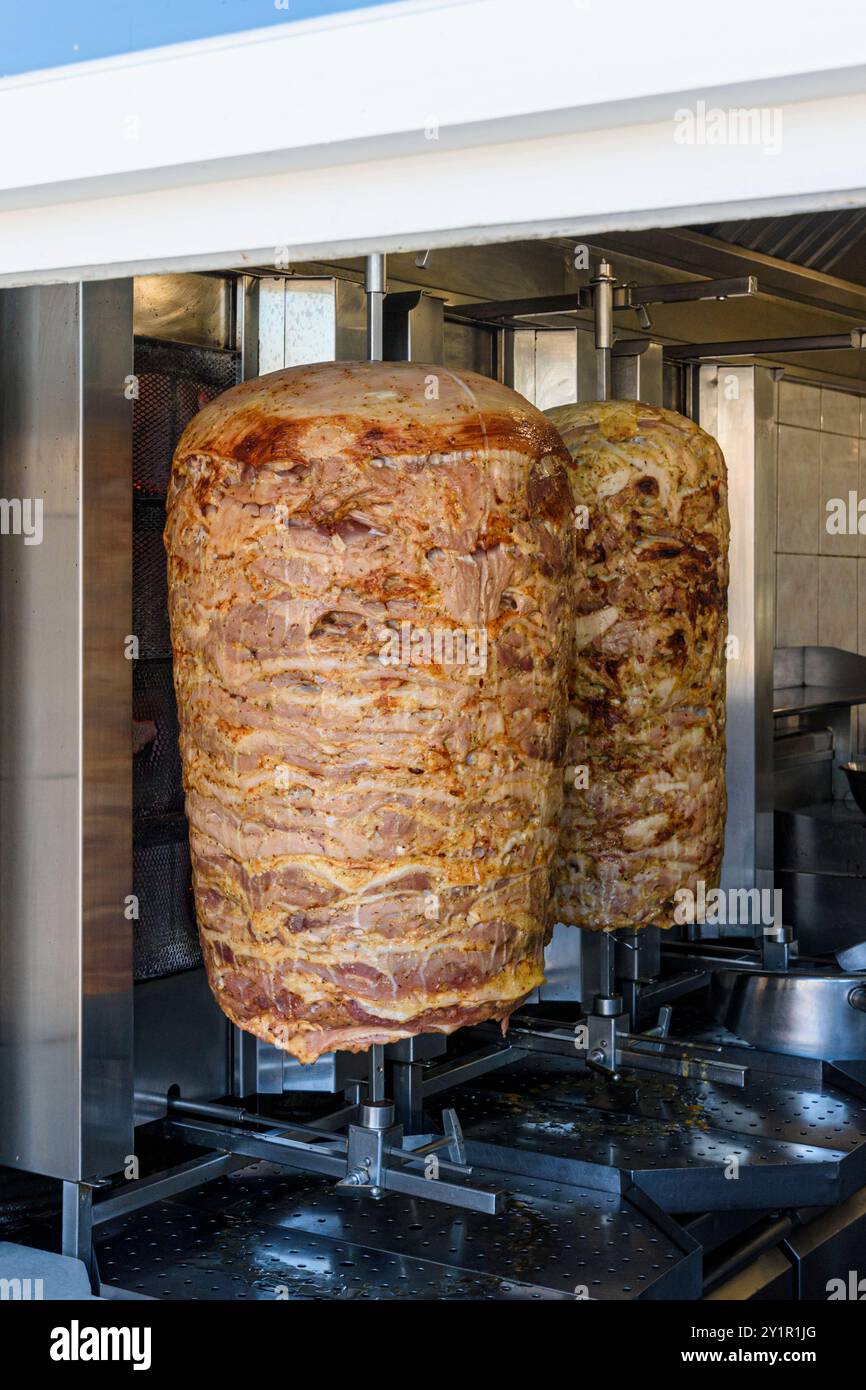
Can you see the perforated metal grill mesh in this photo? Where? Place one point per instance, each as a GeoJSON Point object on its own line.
{"type": "Point", "coordinates": [156, 782]}
{"type": "Point", "coordinates": [152, 433]}
{"type": "Point", "coordinates": [165, 936]}
{"type": "Point", "coordinates": [174, 382]}
{"type": "Point", "coordinates": [150, 580]}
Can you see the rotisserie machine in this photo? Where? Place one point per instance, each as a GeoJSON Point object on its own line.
{"type": "Point", "coordinates": [676, 1114]}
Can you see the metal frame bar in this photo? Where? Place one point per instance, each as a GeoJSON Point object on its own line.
{"type": "Point", "coordinates": [623, 297]}
{"type": "Point", "coordinates": [167, 1183]}
{"type": "Point", "coordinates": [275, 1147]}
{"type": "Point", "coordinates": [764, 347]}
{"type": "Point", "coordinates": [683, 249]}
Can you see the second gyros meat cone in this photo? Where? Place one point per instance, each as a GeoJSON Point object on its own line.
{"type": "Point", "coordinates": [644, 812]}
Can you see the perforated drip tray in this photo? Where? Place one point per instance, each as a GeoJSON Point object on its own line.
{"type": "Point", "coordinates": [592, 1169]}
{"type": "Point", "coordinates": [690, 1145]}
{"type": "Point", "coordinates": [263, 1233]}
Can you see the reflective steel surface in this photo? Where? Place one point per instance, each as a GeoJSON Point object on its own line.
{"type": "Point", "coordinates": [737, 407]}
{"type": "Point", "coordinates": [820, 1014]}
{"type": "Point", "coordinates": [65, 704]}
{"type": "Point", "coordinates": [690, 1144]}
{"type": "Point", "coordinates": [265, 1234]}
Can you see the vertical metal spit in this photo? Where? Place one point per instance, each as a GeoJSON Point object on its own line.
{"type": "Point", "coordinates": [374, 285]}
{"type": "Point", "coordinates": [377, 1073]}
{"type": "Point", "coordinates": [602, 303]}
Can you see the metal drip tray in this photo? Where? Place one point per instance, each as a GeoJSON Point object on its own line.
{"type": "Point", "coordinates": [816, 1013]}
{"type": "Point", "coordinates": [262, 1233]}
{"type": "Point", "coordinates": [792, 1140]}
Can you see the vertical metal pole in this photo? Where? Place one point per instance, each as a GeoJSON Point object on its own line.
{"type": "Point", "coordinates": [597, 964]}
{"type": "Point", "coordinates": [77, 1227]}
{"type": "Point", "coordinates": [602, 303]}
{"type": "Point", "coordinates": [374, 284]}
{"type": "Point", "coordinates": [377, 1072]}
{"type": "Point", "coordinates": [407, 1084]}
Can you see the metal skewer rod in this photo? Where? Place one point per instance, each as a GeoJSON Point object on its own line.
{"type": "Point", "coordinates": [377, 1072]}
{"type": "Point", "coordinates": [602, 301]}
{"type": "Point", "coordinates": [374, 285]}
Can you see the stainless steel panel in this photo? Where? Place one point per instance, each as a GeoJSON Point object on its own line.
{"type": "Point", "coordinates": [736, 406]}
{"type": "Point", "coordinates": [826, 683]}
{"type": "Point", "coordinates": [471, 349]}
{"type": "Point", "coordinates": [65, 708]}
{"type": "Point", "coordinates": [546, 366]}
{"type": "Point", "coordinates": [639, 375]}
{"type": "Point", "coordinates": [268, 1233]}
{"type": "Point", "coordinates": [184, 308]}
{"type": "Point", "coordinates": [350, 325]}
{"type": "Point", "coordinates": [555, 369]}
{"type": "Point", "coordinates": [414, 327]}
{"type": "Point", "coordinates": [272, 324]}
{"type": "Point", "coordinates": [258, 1068]}
{"type": "Point", "coordinates": [562, 965]}
{"type": "Point", "coordinates": [316, 319]}
{"type": "Point", "coordinates": [332, 1072]}
{"type": "Point", "coordinates": [310, 322]}
{"type": "Point", "coordinates": [825, 909]}
{"type": "Point", "coordinates": [523, 361]}
{"type": "Point", "coordinates": [181, 1043]}
{"type": "Point", "coordinates": [587, 367]}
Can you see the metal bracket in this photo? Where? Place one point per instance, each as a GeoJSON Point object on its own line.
{"type": "Point", "coordinates": [610, 1047]}
{"type": "Point", "coordinates": [628, 296]}
{"type": "Point", "coordinates": [368, 1147]}
{"type": "Point", "coordinates": [779, 949]}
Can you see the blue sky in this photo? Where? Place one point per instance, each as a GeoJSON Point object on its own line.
{"type": "Point", "coordinates": [50, 33]}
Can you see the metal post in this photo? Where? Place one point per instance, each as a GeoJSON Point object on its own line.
{"type": "Point", "coordinates": [597, 967]}
{"type": "Point", "coordinates": [77, 1227]}
{"type": "Point", "coordinates": [602, 303]}
{"type": "Point", "coordinates": [374, 284]}
{"type": "Point", "coordinates": [377, 1073]}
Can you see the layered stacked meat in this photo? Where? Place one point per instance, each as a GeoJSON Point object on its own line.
{"type": "Point", "coordinates": [370, 571]}
{"type": "Point", "coordinates": [644, 807]}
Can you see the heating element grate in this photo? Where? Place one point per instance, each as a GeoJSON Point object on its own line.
{"type": "Point", "coordinates": [156, 780]}
{"type": "Point", "coordinates": [150, 580]}
{"type": "Point", "coordinates": [165, 939]}
{"type": "Point", "coordinates": [174, 382]}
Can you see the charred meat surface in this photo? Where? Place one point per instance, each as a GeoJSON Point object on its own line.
{"type": "Point", "coordinates": [370, 581]}
{"type": "Point", "coordinates": [644, 811]}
